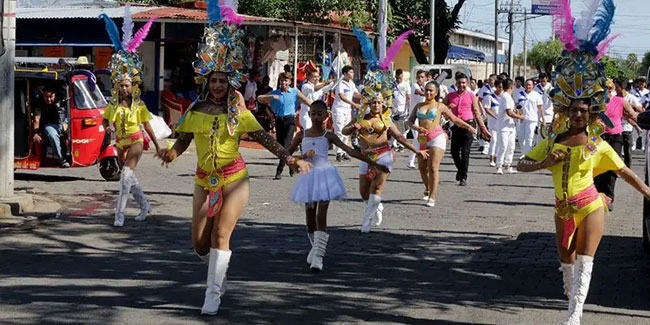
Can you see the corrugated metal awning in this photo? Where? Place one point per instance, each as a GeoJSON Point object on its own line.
{"type": "Point", "coordinates": [74, 12]}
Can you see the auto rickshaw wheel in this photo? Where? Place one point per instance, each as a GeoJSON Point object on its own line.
{"type": "Point", "coordinates": [110, 169]}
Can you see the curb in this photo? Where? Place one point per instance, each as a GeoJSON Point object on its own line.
{"type": "Point", "coordinates": [17, 204]}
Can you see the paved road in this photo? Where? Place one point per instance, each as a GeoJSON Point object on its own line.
{"type": "Point", "coordinates": [485, 254]}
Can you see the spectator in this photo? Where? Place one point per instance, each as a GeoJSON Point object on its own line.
{"type": "Point", "coordinates": [50, 120]}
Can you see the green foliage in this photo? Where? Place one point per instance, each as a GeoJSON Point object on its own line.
{"type": "Point", "coordinates": [645, 64]}
{"type": "Point", "coordinates": [544, 55]}
{"type": "Point", "coordinates": [618, 68]}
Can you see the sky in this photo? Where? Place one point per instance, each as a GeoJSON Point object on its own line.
{"type": "Point", "coordinates": [630, 21]}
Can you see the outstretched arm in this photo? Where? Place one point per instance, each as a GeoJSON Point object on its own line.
{"type": "Point", "coordinates": [276, 148]}
{"type": "Point", "coordinates": [351, 152]}
{"type": "Point", "coordinates": [297, 139]}
{"type": "Point", "coordinates": [447, 113]}
{"type": "Point", "coordinates": [182, 142]}
{"type": "Point", "coordinates": [631, 178]}
{"type": "Point", "coordinates": [530, 165]}
{"type": "Point", "coordinates": [405, 142]}
{"type": "Point", "coordinates": [152, 136]}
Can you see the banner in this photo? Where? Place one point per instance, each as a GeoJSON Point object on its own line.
{"type": "Point", "coordinates": [54, 51]}
{"type": "Point", "coordinates": [543, 7]}
{"type": "Point", "coordinates": [103, 57]}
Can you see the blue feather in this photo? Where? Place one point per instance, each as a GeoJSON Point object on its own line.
{"type": "Point", "coordinates": [367, 49]}
{"type": "Point", "coordinates": [214, 12]}
{"type": "Point", "coordinates": [112, 31]}
{"type": "Point", "coordinates": [602, 25]}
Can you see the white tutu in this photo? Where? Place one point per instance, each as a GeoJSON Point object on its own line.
{"type": "Point", "coordinates": [322, 183]}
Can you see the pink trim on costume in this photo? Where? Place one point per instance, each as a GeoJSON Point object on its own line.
{"type": "Point", "coordinates": [215, 198]}
{"type": "Point", "coordinates": [431, 134]}
{"type": "Point", "coordinates": [582, 199]}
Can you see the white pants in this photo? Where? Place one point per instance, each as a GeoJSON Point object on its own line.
{"type": "Point", "coordinates": [341, 117]}
{"type": "Point", "coordinates": [506, 146]}
{"type": "Point", "coordinates": [528, 135]}
{"type": "Point", "coordinates": [494, 135]}
{"type": "Point", "coordinates": [415, 142]}
{"type": "Point", "coordinates": [305, 120]}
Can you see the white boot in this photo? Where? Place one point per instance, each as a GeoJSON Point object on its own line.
{"type": "Point", "coordinates": [139, 196]}
{"type": "Point", "coordinates": [311, 236]}
{"type": "Point", "coordinates": [567, 277]}
{"type": "Point", "coordinates": [206, 259]}
{"type": "Point", "coordinates": [379, 214]}
{"type": "Point", "coordinates": [320, 245]}
{"type": "Point", "coordinates": [581, 278]}
{"type": "Point", "coordinates": [123, 197]}
{"type": "Point", "coordinates": [217, 268]}
{"type": "Point", "coordinates": [373, 203]}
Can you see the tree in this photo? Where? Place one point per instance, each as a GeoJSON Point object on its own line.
{"type": "Point", "coordinates": [544, 55]}
{"type": "Point", "coordinates": [645, 64]}
{"type": "Point", "coordinates": [415, 14]}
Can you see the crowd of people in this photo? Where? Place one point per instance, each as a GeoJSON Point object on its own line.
{"type": "Point", "coordinates": [576, 124]}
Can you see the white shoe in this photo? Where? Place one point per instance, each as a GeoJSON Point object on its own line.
{"type": "Point", "coordinates": [411, 166]}
{"type": "Point", "coordinates": [431, 203]}
{"type": "Point", "coordinates": [511, 170]}
{"type": "Point", "coordinates": [371, 209]}
{"type": "Point", "coordinates": [426, 196]}
{"type": "Point", "coordinates": [142, 216]}
{"type": "Point", "coordinates": [485, 151]}
{"type": "Point", "coordinates": [320, 245]}
{"type": "Point", "coordinates": [499, 171]}
{"type": "Point", "coordinates": [493, 164]}
{"type": "Point", "coordinates": [580, 287]}
{"type": "Point", "coordinates": [311, 251]}
{"type": "Point", "coordinates": [217, 268]}
{"type": "Point", "coordinates": [119, 221]}
{"type": "Point", "coordinates": [138, 194]}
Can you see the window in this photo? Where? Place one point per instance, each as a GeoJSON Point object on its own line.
{"type": "Point", "coordinates": [84, 98]}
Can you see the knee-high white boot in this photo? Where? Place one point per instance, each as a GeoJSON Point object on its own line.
{"type": "Point", "coordinates": [311, 236]}
{"type": "Point", "coordinates": [567, 277]}
{"type": "Point", "coordinates": [379, 214]}
{"type": "Point", "coordinates": [139, 196]}
{"type": "Point", "coordinates": [320, 245]}
{"type": "Point", "coordinates": [581, 279]}
{"type": "Point", "coordinates": [206, 259]}
{"type": "Point", "coordinates": [123, 197]}
{"type": "Point", "coordinates": [217, 268]}
{"type": "Point", "coordinates": [373, 203]}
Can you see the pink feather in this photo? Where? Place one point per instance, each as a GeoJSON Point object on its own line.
{"type": "Point", "coordinates": [563, 25]}
{"type": "Point", "coordinates": [229, 16]}
{"type": "Point", "coordinates": [139, 37]}
{"type": "Point", "coordinates": [394, 49]}
{"type": "Point", "coordinates": [604, 46]}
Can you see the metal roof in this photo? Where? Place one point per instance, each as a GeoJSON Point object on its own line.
{"type": "Point", "coordinates": [74, 12]}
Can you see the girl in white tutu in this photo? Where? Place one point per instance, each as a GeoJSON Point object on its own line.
{"type": "Point", "coordinates": [323, 183]}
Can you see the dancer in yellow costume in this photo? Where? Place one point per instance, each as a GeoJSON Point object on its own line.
{"type": "Point", "coordinates": [216, 121]}
{"type": "Point", "coordinates": [127, 112]}
{"type": "Point", "coordinates": [373, 125]}
{"type": "Point", "coordinates": [574, 151]}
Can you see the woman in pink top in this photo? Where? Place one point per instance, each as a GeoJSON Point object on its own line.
{"type": "Point", "coordinates": [617, 110]}
{"type": "Point", "coordinates": [464, 105]}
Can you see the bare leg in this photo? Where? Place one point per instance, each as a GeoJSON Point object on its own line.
{"type": "Point", "coordinates": [590, 233]}
{"type": "Point", "coordinates": [321, 217]}
{"type": "Point", "coordinates": [566, 255]}
{"type": "Point", "coordinates": [424, 173]}
{"type": "Point", "coordinates": [435, 157]}
{"type": "Point", "coordinates": [364, 187]}
{"type": "Point", "coordinates": [201, 225]}
{"type": "Point", "coordinates": [133, 155]}
{"type": "Point", "coordinates": [310, 212]}
{"type": "Point", "coordinates": [235, 198]}
{"type": "Point", "coordinates": [377, 185]}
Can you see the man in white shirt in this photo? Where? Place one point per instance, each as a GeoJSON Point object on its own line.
{"type": "Point", "coordinates": [473, 86]}
{"type": "Point", "coordinates": [629, 141]}
{"type": "Point", "coordinates": [401, 101]}
{"type": "Point", "coordinates": [519, 96]}
{"type": "Point", "coordinates": [417, 96]}
{"type": "Point", "coordinates": [313, 90]}
{"type": "Point", "coordinates": [544, 88]}
{"type": "Point", "coordinates": [533, 110]}
{"type": "Point", "coordinates": [507, 129]}
{"type": "Point", "coordinates": [642, 94]}
{"type": "Point", "coordinates": [490, 101]}
{"type": "Point", "coordinates": [250, 92]}
{"type": "Point", "coordinates": [345, 93]}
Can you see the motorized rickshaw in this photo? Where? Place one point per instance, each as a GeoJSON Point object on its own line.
{"type": "Point", "coordinates": [85, 141]}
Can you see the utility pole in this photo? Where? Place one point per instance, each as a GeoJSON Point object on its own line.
{"type": "Point", "coordinates": [511, 9]}
{"type": "Point", "coordinates": [525, 45]}
{"type": "Point", "coordinates": [7, 99]}
{"type": "Point", "coordinates": [496, 34]}
{"type": "Point", "coordinates": [383, 25]}
{"type": "Point", "coordinates": [432, 23]}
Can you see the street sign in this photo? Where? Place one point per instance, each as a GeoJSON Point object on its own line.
{"type": "Point", "coordinates": [543, 7]}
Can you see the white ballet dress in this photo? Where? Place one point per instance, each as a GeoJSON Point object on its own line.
{"type": "Point", "coordinates": [322, 182]}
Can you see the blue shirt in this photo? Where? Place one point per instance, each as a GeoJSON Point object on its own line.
{"type": "Point", "coordinates": [286, 104]}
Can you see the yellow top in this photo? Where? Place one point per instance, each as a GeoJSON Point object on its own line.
{"type": "Point", "coordinates": [581, 172]}
{"type": "Point", "coordinates": [127, 121]}
{"type": "Point", "coordinates": [216, 149]}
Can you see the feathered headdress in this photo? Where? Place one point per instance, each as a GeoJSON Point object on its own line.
{"type": "Point", "coordinates": [223, 50]}
{"type": "Point", "coordinates": [378, 81]}
{"type": "Point", "coordinates": [126, 62]}
{"type": "Point", "coordinates": [579, 73]}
